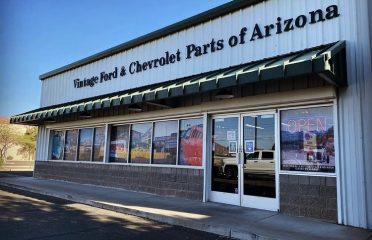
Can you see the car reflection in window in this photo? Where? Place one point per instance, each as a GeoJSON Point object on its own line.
{"type": "Point", "coordinates": [261, 161]}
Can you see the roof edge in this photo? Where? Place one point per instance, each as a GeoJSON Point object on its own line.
{"type": "Point", "coordinates": [176, 27]}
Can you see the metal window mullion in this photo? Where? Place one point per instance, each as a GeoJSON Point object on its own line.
{"type": "Point", "coordinates": [129, 141]}
{"type": "Point", "coordinates": [152, 143]}
{"type": "Point", "coordinates": [106, 145]}
{"type": "Point", "coordinates": [92, 148]}
{"type": "Point", "coordinates": [64, 144]}
{"type": "Point", "coordinates": [206, 155]}
{"type": "Point", "coordinates": [50, 145]}
{"type": "Point", "coordinates": [78, 143]}
{"type": "Point", "coordinates": [178, 140]}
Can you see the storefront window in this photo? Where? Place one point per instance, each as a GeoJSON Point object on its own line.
{"type": "Point", "coordinates": [119, 143]}
{"type": "Point", "coordinates": [165, 142]}
{"type": "Point", "coordinates": [307, 140]}
{"type": "Point", "coordinates": [71, 144]}
{"type": "Point", "coordinates": [99, 144]}
{"type": "Point", "coordinates": [85, 144]}
{"type": "Point", "coordinates": [57, 145]}
{"type": "Point", "coordinates": [141, 136]}
{"type": "Point", "coordinates": [191, 142]}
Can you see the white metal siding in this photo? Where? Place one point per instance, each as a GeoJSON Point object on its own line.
{"type": "Point", "coordinates": [355, 120]}
{"type": "Point", "coordinates": [60, 88]}
{"type": "Point", "coordinates": [42, 144]}
{"type": "Point", "coordinates": [368, 119]}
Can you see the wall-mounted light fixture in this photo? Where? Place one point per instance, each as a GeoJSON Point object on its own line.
{"type": "Point", "coordinates": [225, 94]}
{"type": "Point", "coordinates": [134, 108]}
{"type": "Point", "coordinates": [85, 115]}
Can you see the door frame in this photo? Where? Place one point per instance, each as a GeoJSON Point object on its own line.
{"type": "Point", "coordinates": [240, 199]}
{"type": "Point", "coordinates": [265, 203]}
{"type": "Point", "coordinates": [214, 196]}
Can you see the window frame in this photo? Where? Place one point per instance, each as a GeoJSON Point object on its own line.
{"type": "Point", "coordinates": [107, 128]}
{"type": "Point", "coordinates": [153, 137]}
{"type": "Point", "coordinates": [179, 142]}
{"type": "Point", "coordinates": [64, 130]}
{"type": "Point", "coordinates": [104, 143]}
{"type": "Point", "coordinates": [78, 148]}
{"type": "Point", "coordinates": [108, 140]}
{"type": "Point", "coordinates": [335, 127]}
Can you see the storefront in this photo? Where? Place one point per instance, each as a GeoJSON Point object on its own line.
{"type": "Point", "coordinates": [259, 104]}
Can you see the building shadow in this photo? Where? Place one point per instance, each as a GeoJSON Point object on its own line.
{"type": "Point", "coordinates": [26, 215]}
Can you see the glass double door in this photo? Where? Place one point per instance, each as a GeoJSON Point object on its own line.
{"type": "Point", "coordinates": [243, 166]}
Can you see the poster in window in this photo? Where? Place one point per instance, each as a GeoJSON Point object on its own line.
{"type": "Point", "coordinates": [232, 146]}
{"type": "Point", "coordinates": [99, 144]}
{"type": "Point", "coordinates": [57, 145]}
{"type": "Point", "coordinates": [141, 137]}
{"type": "Point", "coordinates": [165, 142]}
{"type": "Point", "coordinates": [85, 144]}
{"type": "Point", "coordinates": [119, 138]}
{"type": "Point", "coordinates": [249, 146]}
{"type": "Point", "coordinates": [231, 135]}
{"type": "Point", "coordinates": [191, 142]}
{"type": "Point", "coordinates": [307, 140]}
{"type": "Point", "coordinates": [71, 144]}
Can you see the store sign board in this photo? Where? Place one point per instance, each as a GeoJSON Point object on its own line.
{"type": "Point", "coordinates": [191, 51]}
{"type": "Point", "coordinates": [250, 34]}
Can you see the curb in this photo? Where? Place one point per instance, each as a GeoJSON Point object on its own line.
{"type": "Point", "coordinates": [215, 229]}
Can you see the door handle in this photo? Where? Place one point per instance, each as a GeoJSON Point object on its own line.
{"type": "Point", "coordinates": [240, 157]}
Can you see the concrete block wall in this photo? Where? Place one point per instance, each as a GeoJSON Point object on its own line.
{"type": "Point", "coordinates": [165, 181]}
{"type": "Point", "coordinates": [309, 196]}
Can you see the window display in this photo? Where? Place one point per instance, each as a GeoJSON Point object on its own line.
{"type": "Point", "coordinates": [99, 144]}
{"type": "Point", "coordinates": [57, 145]}
{"type": "Point", "coordinates": [85, 144]}
{"type": "Point", "coordinates": [71, 145]}
{"type": "Point", "coordinates": [162, 142]}
{"type": "Point", "coordinates": [141, 137]}
{"type": "Point", "coordinates": [307, 140]}
{"type": "Point", "coordinates": [191, 142]}
{"type": "Point", "coordinates": [165, 142]}
{"type": "Point", "coordinates": [119, 143]}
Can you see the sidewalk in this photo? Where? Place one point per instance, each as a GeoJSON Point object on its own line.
{"type": "Point", "coordinates": [232, 221]}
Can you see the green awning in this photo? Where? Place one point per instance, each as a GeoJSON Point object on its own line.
{"type": "Point", "coordinates": [328, 61]}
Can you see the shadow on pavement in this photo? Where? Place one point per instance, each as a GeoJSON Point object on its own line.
{"type": "Point", "coordinates": [16, 173]}
{"type": "Point", "coordinates": [26, 215]}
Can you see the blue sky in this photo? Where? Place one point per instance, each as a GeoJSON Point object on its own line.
{"type": "Point", "coordinates": [37, 36]}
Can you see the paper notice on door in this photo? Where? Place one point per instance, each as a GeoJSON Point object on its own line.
{"type": "Point", "coordinates": [231, 135]}
{"type": "Point", "coordinates": [232, 146]}
{"type": "Point", "coordinates": [249, 146]}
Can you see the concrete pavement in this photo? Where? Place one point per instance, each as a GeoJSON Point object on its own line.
{"type": "Point", "coordinates": [226, 220]}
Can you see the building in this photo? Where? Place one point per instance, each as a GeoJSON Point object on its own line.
{"type": "Point", "coordinates": [255, 103]}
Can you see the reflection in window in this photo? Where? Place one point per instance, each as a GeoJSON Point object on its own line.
{"type": "Point", "coordinates": [165, 142]}
{"type": "Point", "coordinates": [259, 166]}
{"type": "Point", "coordinates": [119, 139]}
{"type": "Point", "coordinates": [85, 144]}
{"type": "Point", "coordinates": [71, 144]}
{"type": "Point", "coordinates": [307, 140]}
{"type": "Point", "coordinates": [141, 143]}
{"type": "Point", "coordinates": [191, 142]}
{"type": "Point", "coordinates": [99, 144]}
{"type": "Point", "coordinates": [224, 167]}
{"type": "Point", "coordinates": [57, 145]}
